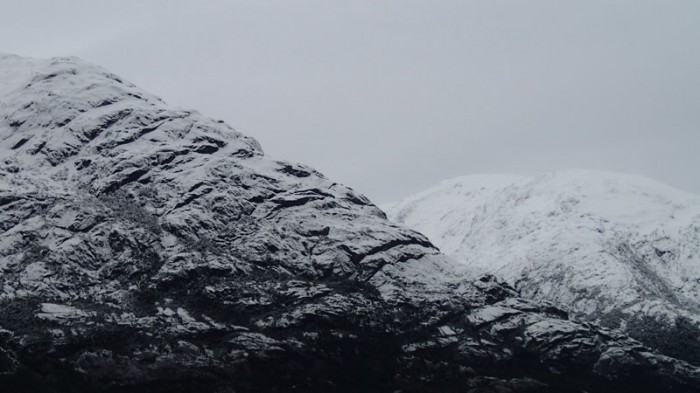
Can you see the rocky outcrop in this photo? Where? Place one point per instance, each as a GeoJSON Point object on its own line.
{"type": "Point", "coordinates": [151, 249]}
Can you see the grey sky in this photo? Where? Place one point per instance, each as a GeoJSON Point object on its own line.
{"type": "Point", "coordinates": [390, 97]}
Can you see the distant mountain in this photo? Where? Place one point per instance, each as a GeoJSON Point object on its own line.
{"type": "Point", "coordinates": [145, 248]}
{"type": "Point", "coordinates": [620, 250]}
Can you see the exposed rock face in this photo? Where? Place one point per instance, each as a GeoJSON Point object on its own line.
{"type": "Point", "coordinates": [149, 249]}
{"type": "Point", "coordinates": [617, 249]}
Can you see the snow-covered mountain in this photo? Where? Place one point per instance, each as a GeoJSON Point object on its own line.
{"type": "Point", "coordinates": [619, 249]}
{"type": "Point", "coordinates": [145, 248]}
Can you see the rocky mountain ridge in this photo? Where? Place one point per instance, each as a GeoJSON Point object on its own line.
{"type": "Point", "coordinates": [151, 249]}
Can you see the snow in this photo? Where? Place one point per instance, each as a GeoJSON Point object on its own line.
{"type": "Point", "coordinates": [589, 241]}
{"type": "Point", "coordinates": [36, 272]}
{"type": "Point", "coordinates": [60, 312]}
{"type": "Point", "coordinates": [489, 314]}
{"type": "Point", "coordinates": [446, 331]}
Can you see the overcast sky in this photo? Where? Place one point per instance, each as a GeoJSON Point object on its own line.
{"type": "Point", "coordinates": [390, 97]}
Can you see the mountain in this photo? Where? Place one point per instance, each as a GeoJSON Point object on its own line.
{"type": "Point", "coordinates": [145, 248]}
{"type": "Point", "coordinates": [620, 250]}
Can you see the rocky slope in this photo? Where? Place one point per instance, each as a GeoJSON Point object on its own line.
{"type": "Point", "coordinates": [150, 249]}
{"type": "Point", "coordinates": [617, 249]}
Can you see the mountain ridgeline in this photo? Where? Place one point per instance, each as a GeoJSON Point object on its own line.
{"type": "Point", "coordinates": [146, 248]}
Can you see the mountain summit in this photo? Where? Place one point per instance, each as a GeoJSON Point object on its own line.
{"type": "Point", "coordinates": [151, 249]}
{"type": "Point", "coordinates": [617, 249]}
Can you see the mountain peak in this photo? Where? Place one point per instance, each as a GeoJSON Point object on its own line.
{"type": "Point", "coordinates": [605, 246]}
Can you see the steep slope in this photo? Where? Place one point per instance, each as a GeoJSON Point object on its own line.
{"type": "Point", "coordinates": [151, 249]}
{"type": "Point", "coordinates": [618, 249]}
